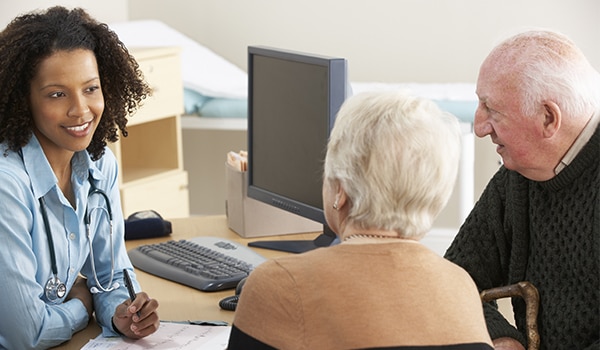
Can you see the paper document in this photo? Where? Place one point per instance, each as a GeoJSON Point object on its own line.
{"type": "Point", "coordinates": [238, 160]}
{"type": "Point", "coordinates": [169, 336]}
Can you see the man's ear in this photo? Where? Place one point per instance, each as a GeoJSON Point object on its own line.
{"type": "Point", "coordinates": [552, 119]}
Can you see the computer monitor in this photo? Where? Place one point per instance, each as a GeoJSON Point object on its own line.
{"type": "Point", "coordinates": [293, 99]}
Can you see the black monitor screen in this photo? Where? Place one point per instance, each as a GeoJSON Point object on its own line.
{"type": "Point", "coordinates": [293, 100]}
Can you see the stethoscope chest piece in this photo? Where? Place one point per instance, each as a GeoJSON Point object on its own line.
{"type": "Point", "coordinates": [55, 289]}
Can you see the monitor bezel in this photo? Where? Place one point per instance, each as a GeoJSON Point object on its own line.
{"type": "Point", "coordinates": [337, 72]}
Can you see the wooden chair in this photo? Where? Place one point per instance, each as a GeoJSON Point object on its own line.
{"type": "Point", "coordinates": [530, 294]}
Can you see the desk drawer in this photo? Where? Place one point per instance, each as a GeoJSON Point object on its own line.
{"type": "Point", "coordinates": [163, 75]}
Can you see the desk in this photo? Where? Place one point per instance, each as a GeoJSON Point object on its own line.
{"type": "Point", "coordinates": [179, 302]}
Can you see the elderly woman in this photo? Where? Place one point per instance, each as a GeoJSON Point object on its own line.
{"type": "Point", "coordinates": [390, 168]}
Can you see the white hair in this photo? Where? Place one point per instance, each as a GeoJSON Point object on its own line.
{"type": "Point", "coordinates": [396, 156]}
{"type": "Point", "coordinates": [549, 66]}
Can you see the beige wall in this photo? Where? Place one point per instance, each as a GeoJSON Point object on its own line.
{"type": "Point", "coordinates": [384, 40]}
{"type": "Point", "coordinates": [105, 10]}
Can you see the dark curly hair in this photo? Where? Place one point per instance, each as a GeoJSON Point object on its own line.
{"type": "Point", "coordinates": [32, 37]}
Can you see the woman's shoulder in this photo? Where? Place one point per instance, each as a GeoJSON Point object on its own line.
{"type": "Point", "coordinates": [107, 159]}
{"type": "Point", "coordinates": [12, 167]}
{"type": "Point", "coordinates": [108, 163]}
{"type": "Point", "coordinates": [275, 277]}
{"type": "Point", "coordinates": [448, 275]}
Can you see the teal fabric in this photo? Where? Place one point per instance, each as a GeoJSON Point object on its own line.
{"type": "Point", "coordinates": [193, 101]}
{"type": "Point", "coordinates": [214, 107]}
{"type": "Point", "coordinates": [225, 108]}
{"type": "Point", "coordinates": [463, 110]}
{"type": "Point", "coordinates": [217, 107]}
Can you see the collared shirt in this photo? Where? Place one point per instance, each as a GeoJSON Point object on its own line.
{"type": "Point", "coordinates": [580, 141]}
{"type": "Point", "coordinates": [28, 319]}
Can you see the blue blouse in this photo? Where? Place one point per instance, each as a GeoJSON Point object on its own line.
{"type": "Point", "coordinates": [28, 319]}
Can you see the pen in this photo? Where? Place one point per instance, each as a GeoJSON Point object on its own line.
{"type": "Point", "coordinates": [129, 286]}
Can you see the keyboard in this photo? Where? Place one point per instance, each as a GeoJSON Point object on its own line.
{"type": "Point", "coordinates": [205, 263]}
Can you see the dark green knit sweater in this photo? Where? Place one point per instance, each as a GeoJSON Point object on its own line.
{"type": "Point", "coordinates": [547, 233]}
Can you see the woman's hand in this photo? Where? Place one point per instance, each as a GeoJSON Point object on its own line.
{"type": "Point", "coordinates": [127, 321]}
{"type": "Point", "coordinates": [81, 291]}
{"type": "Point", "coordinates": [507, 344]}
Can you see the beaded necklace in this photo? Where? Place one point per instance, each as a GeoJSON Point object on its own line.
{"type": "Point", "coordinates": [367, 235]}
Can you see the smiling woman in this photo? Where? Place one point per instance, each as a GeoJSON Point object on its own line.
{"type": "Point", "coordinates": [70, 85]}
{"type": "Point", "coordinates": [66, 106]}
{"type": "Point", "coordinates": [66, 102]}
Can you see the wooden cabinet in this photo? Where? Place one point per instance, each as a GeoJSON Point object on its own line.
{"type": "Point", "coordinates": [150, 157]}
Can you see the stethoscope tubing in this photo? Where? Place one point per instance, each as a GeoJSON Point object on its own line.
{"type": "Point", "coordinates": [54, 287]}
{"type": "Point", "coordinates": [49, 237]}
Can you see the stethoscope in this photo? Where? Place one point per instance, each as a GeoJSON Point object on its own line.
{"type": "Point", "coordinates": [55, 289]}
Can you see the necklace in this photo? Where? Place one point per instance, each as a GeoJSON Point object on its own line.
{"type": "Point", "coordinates": [366, 235]}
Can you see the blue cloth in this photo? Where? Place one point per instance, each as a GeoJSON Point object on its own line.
{"type": "Point", "coordinates": [28, 319]}
{"type": "Point", "coordinates": [463, 110]}
{"type": "Point", "coordinates": [214, 107]}
{"type": "Point", "coordinates": [218, 107]}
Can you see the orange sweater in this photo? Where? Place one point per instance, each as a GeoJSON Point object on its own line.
{"type": "Point", "coordinates": [361, 296]}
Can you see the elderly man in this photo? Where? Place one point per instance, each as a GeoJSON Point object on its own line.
{"type": "Point", "coordinates": [538, 220]}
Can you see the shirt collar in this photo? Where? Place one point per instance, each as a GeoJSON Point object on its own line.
{"type": "Point", "coordinates": [42, 177]}
{"type": "Point", "coordinates": [580, 141]}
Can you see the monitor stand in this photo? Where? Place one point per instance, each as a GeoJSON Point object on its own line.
{"type": "Point", "coordinates": [325, 239]}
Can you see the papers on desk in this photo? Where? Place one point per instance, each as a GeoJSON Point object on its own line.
{"type": "Point", "coordinates": [169, 336]}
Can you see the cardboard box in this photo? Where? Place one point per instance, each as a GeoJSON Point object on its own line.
{"type": "Point", "coordinates": [251, 218]}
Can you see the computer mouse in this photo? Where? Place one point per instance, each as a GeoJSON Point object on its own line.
{"type": "Point", "coordinates": [240, 285]}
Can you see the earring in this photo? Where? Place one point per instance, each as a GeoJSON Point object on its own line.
{"type": "Point", "coordinates": [335, 205]}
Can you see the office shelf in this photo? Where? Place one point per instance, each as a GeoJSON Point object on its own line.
{"type": "Point", "coordinates": [150, 158]}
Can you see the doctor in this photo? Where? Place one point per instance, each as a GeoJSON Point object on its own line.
{"type": "Point", "coordinates": [67, 86]}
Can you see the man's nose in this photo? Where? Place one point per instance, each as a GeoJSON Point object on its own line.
{"type": "Point", "coordinates": [481, 124]}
